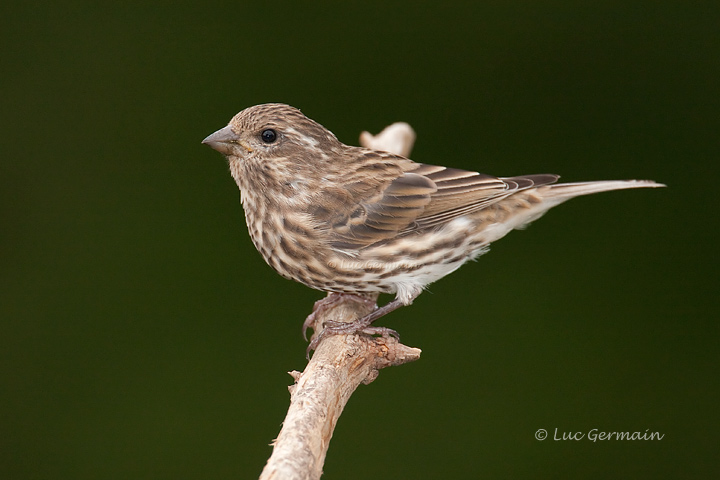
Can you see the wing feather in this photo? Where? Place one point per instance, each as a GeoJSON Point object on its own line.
{"type": "Point", "coordinates": [461, 192]}
{"type": "Point", "coordinates": [404, 197]}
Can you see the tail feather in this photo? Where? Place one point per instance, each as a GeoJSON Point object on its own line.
{"type": "Point", "coordinates": [553, 195]}
{"type": "Point", "coordinates": [565, 191]}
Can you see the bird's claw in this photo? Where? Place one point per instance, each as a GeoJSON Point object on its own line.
{"type": "Point", "coordinates": [352, 328]}
{"type": "Point", "coordinates": [325, 304]}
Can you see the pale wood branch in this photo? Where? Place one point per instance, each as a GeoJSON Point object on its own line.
{"type": "Point", "coordinates": [397, 138]}
{"type": "Point", "coordinates": [339, 365]}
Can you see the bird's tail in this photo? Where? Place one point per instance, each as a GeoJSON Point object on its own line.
{"type": "Point", "coordinates": [566, 191]}
{"type": "Point", "coordinates": [555, 194]}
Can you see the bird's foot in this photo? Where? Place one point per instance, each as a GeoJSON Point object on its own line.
{"type": "Point", "coordinates": [362, 325]}
{"type": "Point", "coordinates": [332, 300]}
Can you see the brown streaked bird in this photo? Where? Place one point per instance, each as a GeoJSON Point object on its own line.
{"type": "Point", "coordinates": [349, 220]}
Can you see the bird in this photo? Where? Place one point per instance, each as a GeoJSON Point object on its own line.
{"type": "Point", "coordinates": [356, 222]}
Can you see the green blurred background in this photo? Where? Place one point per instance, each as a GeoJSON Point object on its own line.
{"type": "Point", "coordinates": [142, 336]}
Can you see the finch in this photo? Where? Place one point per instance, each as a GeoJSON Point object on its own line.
{"type": "Point", "coordinates": [351, 220]}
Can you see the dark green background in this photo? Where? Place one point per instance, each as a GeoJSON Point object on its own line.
{"type": "Point", "coordinates": [141, 335]}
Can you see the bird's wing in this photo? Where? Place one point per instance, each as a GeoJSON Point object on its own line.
{"type": "Point", "coordinates": [372, 202]}
{"type": "Point", "coordinates": [385, 196]}
{"type": "Point", "coordinates": [461, 192]}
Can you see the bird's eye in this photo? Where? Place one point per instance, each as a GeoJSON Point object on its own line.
{"type": "Point", "coordinates": [268, 136]}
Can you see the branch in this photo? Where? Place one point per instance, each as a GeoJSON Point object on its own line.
{"type": "Point", "coordinates": [397, 138]}
{"type": "Point", "coordinates": [339, 365]}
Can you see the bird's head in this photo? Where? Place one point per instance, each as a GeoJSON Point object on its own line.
{"type": "Point", "coordinates": [271, 130]}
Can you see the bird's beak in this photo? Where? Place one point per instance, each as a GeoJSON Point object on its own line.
{"type": "Point", "coordinates": [224, 141]}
